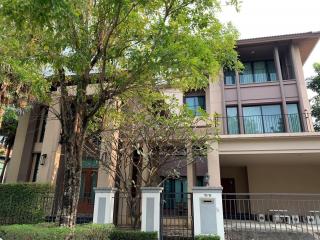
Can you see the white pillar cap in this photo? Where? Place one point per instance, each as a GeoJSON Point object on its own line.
{"type": "Point", "coordinates": [105, 190]}
{"type": "Point", "coordinates": [207, 189]}
{"type": "Point", "coordinates": [151, 189]}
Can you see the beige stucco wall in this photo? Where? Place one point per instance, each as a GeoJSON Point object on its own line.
{"type": "Point", "coordinates": [18, 147]}
{"type": "Point", "coordinates": [51, 147]}
{"type": "Point", "coordinates": [284, 178]}
{"type": "Point", "coordinates": [240, 176]}
{"type": "Point", "coordinates": [19, 166]}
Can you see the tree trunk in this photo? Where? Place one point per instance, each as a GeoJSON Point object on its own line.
{"type": "Point", "coordinates": [72, 145]}
{"type": "Point", "coordinates": [5, 164]}
{"type": "Point", "coordinates": [72, 178]}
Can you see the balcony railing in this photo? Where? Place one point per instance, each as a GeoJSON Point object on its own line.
{"type": "Point", "coordinates": [259, 124]}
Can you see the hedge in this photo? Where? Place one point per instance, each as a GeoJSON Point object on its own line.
{"type": "Point", "coordinates": [46, 231]}
{"type": "Point", "coordinates": [24, 202]}
{"type": "Point", "coordinates": [132, 235]}
{"type": "Point", "coordinates": [207, 237]}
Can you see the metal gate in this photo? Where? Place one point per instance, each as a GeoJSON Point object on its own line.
{"type": "Point", "coordinates": [176, 217]}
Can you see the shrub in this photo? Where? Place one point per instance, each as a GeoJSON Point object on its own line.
{"type": "Point", "coordinates": [132, 235]}
{"type": "Point", "coordinates": [24, 203]}
{"type": "Point", "coordinates": [52, 232]}
{"type": "Point", "coordinates": [47, 231]}
{"type": "Point", "coordinates": [207, 237]}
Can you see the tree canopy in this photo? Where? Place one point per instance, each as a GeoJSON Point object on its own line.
{"type": "Point", "coordinates": [93, 51]}
{"type": "Point", "coordinates": [314, 85]}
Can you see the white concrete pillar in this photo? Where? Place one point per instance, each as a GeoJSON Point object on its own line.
{"type": "Point", "coordinates": [103, 205]}
{"type": "Point", "coordinates": [150, 217]}
{"type": "Point", "coordinates": [208, 211]}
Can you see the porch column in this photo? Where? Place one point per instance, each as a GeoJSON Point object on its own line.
{"type": "Point", "coordinates": [208, 211]}
{"type": "Point", "coordinates": [214, 166]}
{"type": "Point", "coordinates": [304, 103]}
{"type": "Point", "coordinates": [150, 216]}
{"type": "Point", "coordinates": [106, 176]}
{"type": "Point", "coordinates": [191, 170]}
{"type": "Point", "coordinates": [103, 205]}
{"type": "Point", "coordinates": [282, 90]}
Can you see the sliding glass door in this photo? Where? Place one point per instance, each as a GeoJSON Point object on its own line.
{"type": "Point", "coordinates": [263, 119]}
{"type": "Point", "coordinates": [232, 120]}
{"type": "Point", "coordinates": [294, 118]}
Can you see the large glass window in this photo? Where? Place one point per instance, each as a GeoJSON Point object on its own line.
{"type": "Point", "coordinates": [229, 77]}
{"type": "Point", "coordinates": [246, 75]}
{"type": "Point", "coordinates": [294, 118]}
{"type": "Point", "coordinates": [272, 71]}
{"type": "Point", "coordinates": [232, 120]}
{"type": "Point", "coordinates": [258, 72]}
{"type": "Point", "coordinates": [195, 104]}
{"type": "Point", "coordinates": [262, 119]}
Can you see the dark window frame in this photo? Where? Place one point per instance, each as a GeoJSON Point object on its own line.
{"type": "Point", "coordinates": [238, 122]}
{"type": "Point", "coordinates": [233, 77]}
{"type": "Point", "coordinates": [194, 96]}
{"type": "Point", "coordinates": [262, 115]}
{"type": "Point", "coordinates": [265, 61]}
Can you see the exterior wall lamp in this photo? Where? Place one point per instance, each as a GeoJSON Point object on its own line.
{"type": "Point", "coordinates": [43, 159]}
{"type": "Point", "coordinates": [206, 179]}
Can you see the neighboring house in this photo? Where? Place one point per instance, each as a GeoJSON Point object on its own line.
{"type": "Point", "coordinates": [268, 143]}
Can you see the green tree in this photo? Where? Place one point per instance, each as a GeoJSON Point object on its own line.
{"type": "Point", "coordinates": [314, 85]}
{"type": "Point", "coordinates": [153, 136]}
{"type": "Point", "coordinates": [107, 47]}
{"type": "Point", "coordinates": [8, 133]}
{"type": "Point", "coordinates": [20, 82]}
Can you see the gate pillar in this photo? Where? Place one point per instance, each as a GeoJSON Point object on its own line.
{"type": "Point", "coordinates": [208, 211]}
{"type": "Point", "coordinates": [150, 217]}
{"type": "Point", "coordinates": [103, 205]}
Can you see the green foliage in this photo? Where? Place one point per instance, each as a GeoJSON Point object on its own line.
{"type": "Point", "coordinates": [159, 129]}
{"type": "Point", "coordinates": [46, 231]}
{"type": "Point", "coordinates": [132, 235]}
{"type": "Point", "coordinates": [9, 127]}
{"type": "Point", "coordinates": [20, 75]}
{"type": "Point", "coordinates": [207, 237]}
{"type": "Point", "coordinates": [24, 203]}
{"type": "Point", "coordinates": [52, 232]}
{"type": "Point", "coordinates": [132, 42]}
{"type": "Point", "coordinates": [112, 46]}
{"type": "Point", "coordinates": [314, 85]}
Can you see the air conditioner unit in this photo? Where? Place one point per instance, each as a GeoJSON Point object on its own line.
{"type": "Point", "coordinates": [295, 219]}
{"type": "Point", "coordinates": [311, 220]}
{"type": "Point", "coordinates": [261, 218]}
{"type": "Point", "coordinates": [276, 218]}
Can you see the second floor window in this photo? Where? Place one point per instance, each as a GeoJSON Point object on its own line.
{"type": "Point", "coordinates": [258, 72]}
{"type": "Point", "coordinates": [195, 104]}
{"type": "Point", "coordinates": [229, 77]}
{"type": "Point", "coordinates": [232, 120]}
{"type": "Point", "coordinates": [263, 119]}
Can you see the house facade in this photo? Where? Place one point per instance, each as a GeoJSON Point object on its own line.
{"type": "Point", "coordinates": [267, 144]}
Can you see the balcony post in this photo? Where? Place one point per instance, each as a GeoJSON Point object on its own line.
{"type": "Point", "coordinates": [241, 126]}
{"type": "Point", "coordinates": [282, 90]}
{"type": "Point", "coordinates": [304, 104]}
